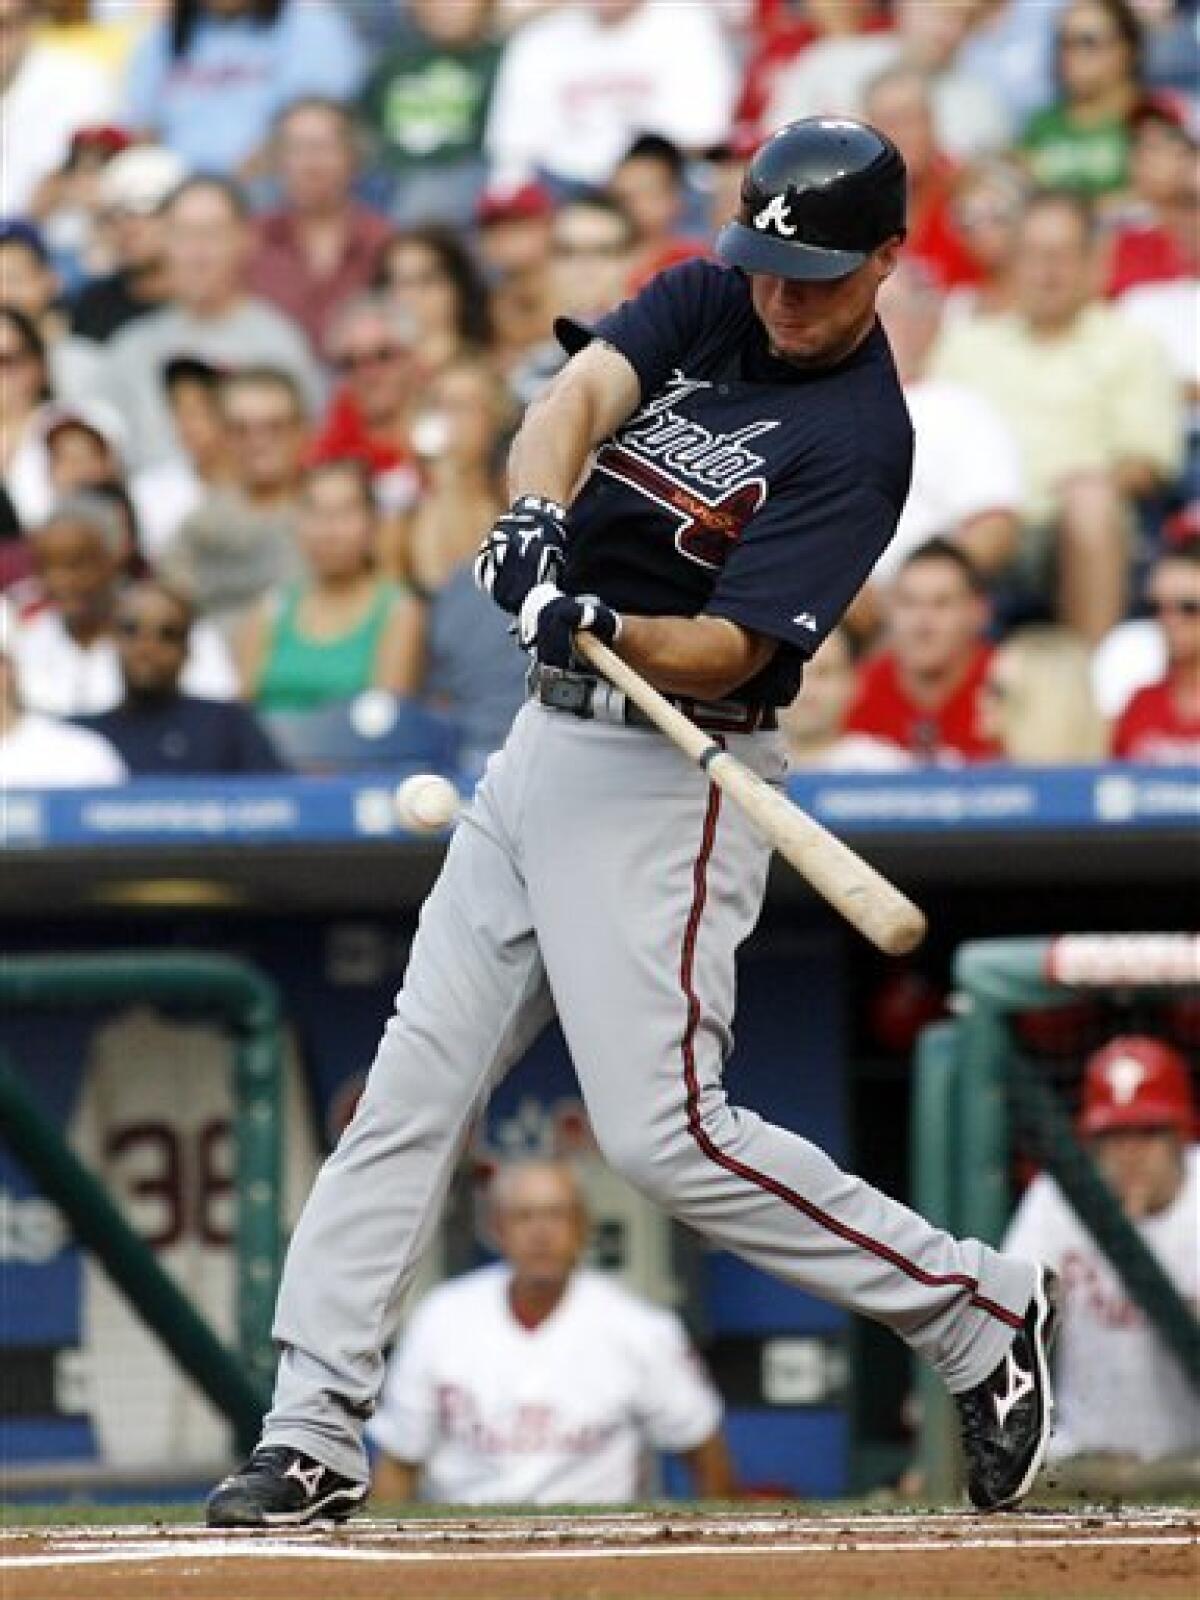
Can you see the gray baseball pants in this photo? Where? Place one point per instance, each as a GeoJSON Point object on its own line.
{"type": "Point", "coordinates": [598, 875]}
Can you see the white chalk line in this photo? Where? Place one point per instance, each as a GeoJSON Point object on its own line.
{"type": "Point", "coordinates": [639, 1526]}
{"type": "Point", "coordinates": [260, 1549]}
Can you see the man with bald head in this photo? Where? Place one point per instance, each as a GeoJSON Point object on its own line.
{"type": "Point", "coordinates": [484, 1402]}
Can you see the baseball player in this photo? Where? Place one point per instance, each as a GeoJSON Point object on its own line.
{"type": "Point", "coordinates": [704, 487]}
{"type": "Point", "coordinates": [483, 1402]}
{"type": "Point", "coordinates": [1121, 1391]}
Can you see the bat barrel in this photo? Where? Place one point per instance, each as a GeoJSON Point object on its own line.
{"type": "Point", "coordinates": [851, 885]}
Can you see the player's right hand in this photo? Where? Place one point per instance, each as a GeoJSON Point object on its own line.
{"type": "Point", "coordinates": [526, 547]}
{"type": "Point", "coordinates": [550, 620]}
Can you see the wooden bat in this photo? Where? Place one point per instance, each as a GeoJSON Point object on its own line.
{"type": "Point", "coordinates": [851, 886]}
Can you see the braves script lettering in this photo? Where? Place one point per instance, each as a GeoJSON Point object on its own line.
{"type": "Point", "coordinates": [713, 481]}
{"type": "Point", "coordinates": [712, 460]}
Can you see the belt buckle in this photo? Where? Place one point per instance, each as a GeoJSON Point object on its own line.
{"type": "Point", "coordinates": [715, 716]}
{"type": "Point", "coordinates": [563, 690]}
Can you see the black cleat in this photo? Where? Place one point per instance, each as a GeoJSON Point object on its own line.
{"type": "Point", "coordinates": [1007, 1419]}
{"type": "Point", "coordinates": [282, 1488]}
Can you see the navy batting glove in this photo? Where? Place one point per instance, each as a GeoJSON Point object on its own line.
{"type": "Point", "coordinates": [549, 618]}
{"type": "Point", "coordinates": [527, 546]}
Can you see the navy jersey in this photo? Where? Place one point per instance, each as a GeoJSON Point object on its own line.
{"type": "Point", "coordinates": [743, 487]}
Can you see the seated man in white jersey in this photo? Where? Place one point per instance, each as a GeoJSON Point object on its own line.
{"type": "Point", "coordinates": [538, 1381]}
{"type": "Point", "coordinates": [1121, 1392]}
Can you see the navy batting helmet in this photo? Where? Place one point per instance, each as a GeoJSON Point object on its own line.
{"type": "Point", "coordinates": [817, 198]}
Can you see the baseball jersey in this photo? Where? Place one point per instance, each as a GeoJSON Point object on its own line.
{"type": "Point", "coordinates": [947, 734]}
{"type": "Point", "coordinates": [559, 1413]}
{"type": "Point", "coordinates": [743, 486]}
{"type": "Point", "coordinates": [1154, 729]}
{"type": "Point", "coordinates": [1119, 1387]}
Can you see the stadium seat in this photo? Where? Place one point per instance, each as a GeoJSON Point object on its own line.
{"type": "Point", "coordinates": [376, 729]}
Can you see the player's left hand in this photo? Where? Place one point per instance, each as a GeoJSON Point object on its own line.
{"type": "Point", "coordinates": [549, 618]}
{"type": "Point", "coordinates": [527, 546]}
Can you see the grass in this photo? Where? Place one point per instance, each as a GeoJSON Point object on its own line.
{"type": "Point", "coordinates": [83, 1512]}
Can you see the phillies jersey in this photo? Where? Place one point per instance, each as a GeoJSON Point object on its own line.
{"type": "Point", "coordinates": [1120, 1390]}
{"type": "Point", "coordinates": [560, 1413]}
{"type": "Point", "coordinates": [743, 487]}
{"type": "Point", "coordinates": [947, 734]}
{"type": "Point", "coordinates": [1153, 729]}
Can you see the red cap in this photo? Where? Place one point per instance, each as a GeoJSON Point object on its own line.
{"type": "Point", "coordinates": [1136, 1082]}
{"type": "Point", "coordinates": [521, 204]}
{"type": "Point", "coordinates": [1182, 526]}
{"type": "Point", "coordinates": [104, 137]}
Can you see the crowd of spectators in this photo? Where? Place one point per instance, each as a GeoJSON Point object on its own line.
{"type": "Point", "coordinates": [277, 277]}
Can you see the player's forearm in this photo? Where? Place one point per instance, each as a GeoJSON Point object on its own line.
{"type": "Point", "coordinates": [705, 657]}
{"type": "Point", "coordinates": [552, 445]}
{"type": "Point", "coordinates": [589, 399]}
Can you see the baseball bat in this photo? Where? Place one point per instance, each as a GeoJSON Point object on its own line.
{"type": "Point", "coordinates": [851, 885]}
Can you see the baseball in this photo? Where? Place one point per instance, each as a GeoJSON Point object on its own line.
{"type": "Point", "coordinates": [427, 803]}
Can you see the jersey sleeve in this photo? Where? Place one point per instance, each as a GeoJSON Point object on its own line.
{"type": "Point", "coordinates": [656, 328]}
{"type": "Point", "coordinates": [1144, 402]}
{"type": "Point", "coordinates": [678, 1406]}
{"type": "Point", "coordinates": [803, 557]}
{"type": "Point", "coordinates": [1038, 1226]}
{"type": "Point", "coordinates": [1129, 727]}
{"type": "Point", "coordinates": [144, 81]}
{"type": "Point", "coordinates": [405, 1424]}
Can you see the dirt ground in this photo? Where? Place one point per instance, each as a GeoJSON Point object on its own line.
{"type": "Point", "coordinates": [1142, 1555]}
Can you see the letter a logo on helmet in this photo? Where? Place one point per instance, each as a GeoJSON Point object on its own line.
{"type": "Point", "coordinates": [818, 197]}
{"type": "Point", "coordinates": [774, 215]}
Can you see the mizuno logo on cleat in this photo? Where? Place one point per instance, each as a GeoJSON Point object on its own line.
{"type": "Point", "coordinates": [1020, 1384]}
{"type": "Point", "coordinates": [309, 1477]}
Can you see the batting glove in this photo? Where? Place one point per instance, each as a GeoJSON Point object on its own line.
{"type": "Point", "coordinates": [549, 618]}
{"type": "Point", "coordinates": [526, 547]}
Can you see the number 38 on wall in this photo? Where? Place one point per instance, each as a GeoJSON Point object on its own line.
{"type": "Point", "coordinates": [174, 1184]}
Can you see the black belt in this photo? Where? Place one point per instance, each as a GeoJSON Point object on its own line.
{"type": "Point", "coordinates": [592, 699]}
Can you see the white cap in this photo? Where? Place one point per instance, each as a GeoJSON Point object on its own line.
{"type": "Point", "coordinates": [140, 180]}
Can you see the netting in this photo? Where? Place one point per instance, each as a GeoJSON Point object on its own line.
{"type": "Point", "coordinates": [1000, 1091]}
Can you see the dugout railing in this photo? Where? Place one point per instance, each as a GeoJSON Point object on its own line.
{"type": "Point", "coordinates": [240, 998]}
{"type": "Point", "coordinates": [996, 1086]}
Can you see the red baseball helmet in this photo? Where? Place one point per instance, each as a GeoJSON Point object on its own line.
{"type": "Point", "coordinates": [1136, 1082]}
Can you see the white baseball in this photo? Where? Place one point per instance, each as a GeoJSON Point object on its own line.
{"type": "Point", "coordinates": [427, 803]}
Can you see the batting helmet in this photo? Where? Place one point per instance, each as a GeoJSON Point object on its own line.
{"type": "Point", "coordinates": [1136, 1082]}
{"type": "Point", "coordinates": [817, 198]}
